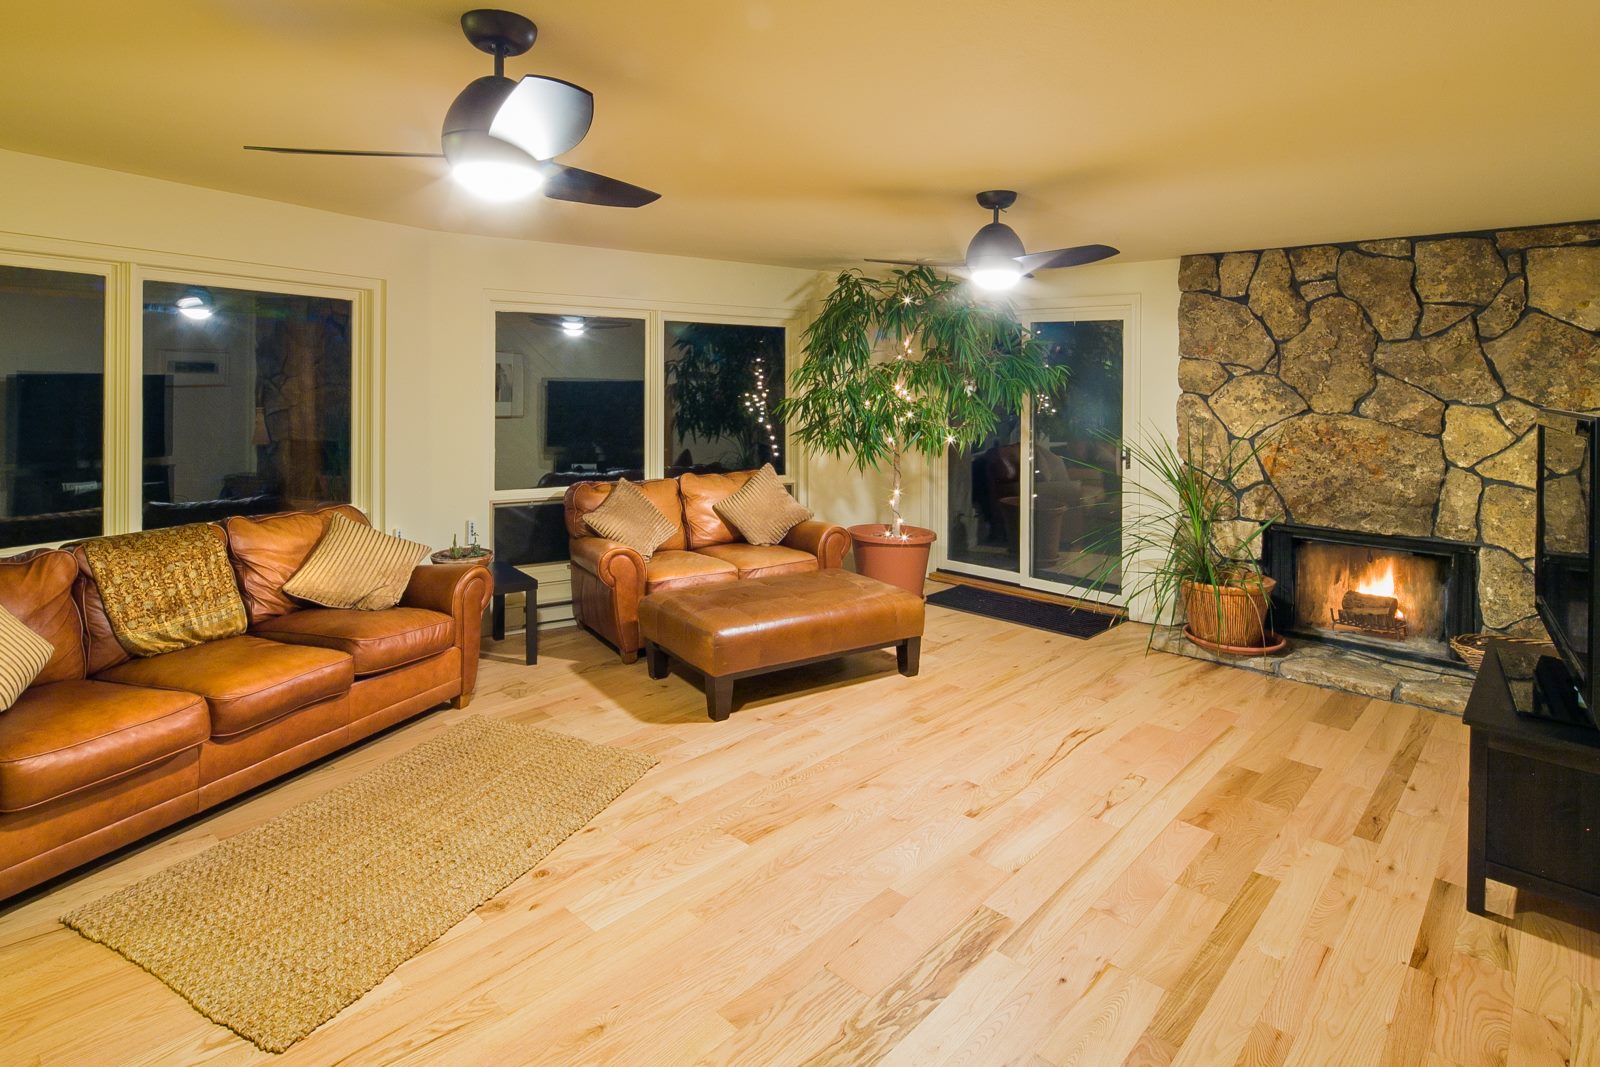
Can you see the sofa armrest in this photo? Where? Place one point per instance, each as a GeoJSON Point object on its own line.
{"type": "Point", "coordinates": [461, 591]}
{"type": "Point", "coordinates": [824, 540]}
{"type": "Point", "coordinates": [614, 563]}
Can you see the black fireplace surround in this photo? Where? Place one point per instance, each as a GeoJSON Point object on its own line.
{"type": "Point", "coordinates": [1459, 563]}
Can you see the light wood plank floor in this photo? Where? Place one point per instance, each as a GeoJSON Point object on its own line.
{"type": "Point", "coordinates": [1041, 852]}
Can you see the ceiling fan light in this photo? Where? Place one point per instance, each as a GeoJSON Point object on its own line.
{"type": "Point", "coordinates": [496, 180]}
{"type": "Point", "coordinates": [195, 304]}
{"type": "Point", "coordinates": [573, 326]}
{"type": "Point", "coordinates": [997, 278]}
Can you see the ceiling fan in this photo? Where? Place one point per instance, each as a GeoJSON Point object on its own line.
{"type": "Point", "coordinates": [500, 137]}
{"type": "Point", "coordinates": [996, 258]}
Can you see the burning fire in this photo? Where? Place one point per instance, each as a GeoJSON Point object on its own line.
{"type": "Point", "coordinates": [1380, 583]}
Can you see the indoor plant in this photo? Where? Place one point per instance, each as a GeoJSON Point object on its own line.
{"type": "Point", "coordinates": [916, 362]}
{"type": "Point", "coordinates": [1178, 545]}
{"type": "Point", "coordinates": [458, 553]}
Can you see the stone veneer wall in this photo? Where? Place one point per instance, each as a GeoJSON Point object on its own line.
{"type": "Point", "coordinates": [1392, 386]}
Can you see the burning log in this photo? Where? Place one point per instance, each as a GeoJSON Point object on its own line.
{"type": "Point", "coordinates": [1371, 613]}
{"type": "Point", "coordinates": [1357, 603]}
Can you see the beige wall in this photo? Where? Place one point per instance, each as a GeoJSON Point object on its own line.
{"type": "Point", "coordinates": [438, 334]}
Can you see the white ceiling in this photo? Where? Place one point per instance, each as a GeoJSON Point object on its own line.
{"type": "Point", "coordinates": [812, 134]}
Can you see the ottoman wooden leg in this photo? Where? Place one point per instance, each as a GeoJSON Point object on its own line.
{"type": "Point", "coordinates": [655, 659]}
{"type": "Point", "coordinates": [909, 653]}
{"type": "Point", "coordinates": [719, 697]}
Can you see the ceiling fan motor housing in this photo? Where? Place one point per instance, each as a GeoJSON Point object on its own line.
{"type": "Point", "coordinates": [994, 243]}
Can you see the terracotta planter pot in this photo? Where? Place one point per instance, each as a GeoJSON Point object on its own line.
{"type": "Point", "coordinates": [1242, 621]}
{"type": "Point", "coordinates": [901, 561]}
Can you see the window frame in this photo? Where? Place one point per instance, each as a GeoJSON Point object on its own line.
{"type": "Point", "coordinates": [125, 272]}
{"type": "Point", "coordinates": [655, 315]}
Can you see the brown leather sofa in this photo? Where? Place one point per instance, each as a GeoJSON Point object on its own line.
{"type": "Point", "coordinates": [104, 748]}
{"type": "Point", "coordinates": [609, 579]}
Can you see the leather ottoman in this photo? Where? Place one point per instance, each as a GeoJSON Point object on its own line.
{"type": "Point", "coordinates": [733, 630]}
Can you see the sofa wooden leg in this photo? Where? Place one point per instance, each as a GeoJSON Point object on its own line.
{"type": "Point", "coordinates": [461, 701]}
{"type": "Point", "coordinates": [909, 655]}
{"type": "Point", "coordinates": [655, 659]}
{"type": "Point", "coordinates": [719, 698]}
{"type": "Point", "coordinates": [630, 656]}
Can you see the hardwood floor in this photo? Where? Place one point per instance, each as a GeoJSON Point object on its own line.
{"type": "Point", "coordinates": [1041, 851]}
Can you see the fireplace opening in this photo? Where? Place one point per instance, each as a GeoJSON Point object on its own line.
{"type": "Point", "coordinates": [1395, 597]}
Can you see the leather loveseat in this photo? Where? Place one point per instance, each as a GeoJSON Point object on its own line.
{"type": "Point", "coordinates": [105, 748]}
{"type": "Point", "coordinates": [610, 579]}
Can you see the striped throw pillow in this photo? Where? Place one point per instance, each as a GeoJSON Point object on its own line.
{"type": "Point", "coordinates": [762, 510]}
{"type": "Point", "coordinates": [23, 654]}
{"type": "Point", "coordinates": [628, 517]}
{"type": "Point", "coordinates": [355, 566]}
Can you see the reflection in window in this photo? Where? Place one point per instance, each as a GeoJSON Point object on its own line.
{"type": "Point", "coordinates": [52, 396]}
{"type": "Point", "coordinates": [1077, 473]}
{"type": "Point", "coordinates": [568, 399]}
{"type": "Point", "coordinates": [247, 402]}
{"type": "Point", "coordinates": [722, 383]}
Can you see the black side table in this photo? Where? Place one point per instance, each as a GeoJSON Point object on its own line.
{"type": "Point", "coordinates": [1533, 814]}
{"type": "Point", "coordinates": [507, 579]}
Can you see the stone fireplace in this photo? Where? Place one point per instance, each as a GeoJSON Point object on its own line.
{"type": "Point", "coordinates": [1390, 388]}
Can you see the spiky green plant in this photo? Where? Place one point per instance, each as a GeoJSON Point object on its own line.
{"type": "Point", "coordinates": [913, 363]}
{"type": "Point", "coordinates": [1172, 532]}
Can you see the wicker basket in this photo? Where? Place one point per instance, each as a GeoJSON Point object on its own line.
{"type": "Point", "coordinates": [1472, 647]}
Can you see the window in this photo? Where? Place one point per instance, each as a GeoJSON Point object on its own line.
{"type": "Point", "coordinates": [569, 399]}
{"type": "Point", "coordinates": [247, 402]}
{"type": "Point", "coordinates": [52, 403]}
{"type": "Point", "coordinates": [722, 383]}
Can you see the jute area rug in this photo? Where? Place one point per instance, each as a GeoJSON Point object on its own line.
{"type": "Point", "coordinates": [274, 931]}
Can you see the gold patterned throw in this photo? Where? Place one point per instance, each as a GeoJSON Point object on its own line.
{"type": "Point", "coordinates": [167, 589]}
{"type": "Point", "coordinates": [274, 931]}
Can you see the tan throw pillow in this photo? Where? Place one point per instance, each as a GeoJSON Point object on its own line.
{"type": "Point", "coordinates": [355, 566]}
{"type": "Point", "coordinates": [762, 510]}
{"type": "Point", "coordinates": [23, 654]}
{"type": "Point", "coordinates": [628, 517]}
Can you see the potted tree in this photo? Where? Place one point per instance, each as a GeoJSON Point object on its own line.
{"type": "Point", "coordinates": [1177, 547]}
{"type": "Point", "coordinates": [913, 363]}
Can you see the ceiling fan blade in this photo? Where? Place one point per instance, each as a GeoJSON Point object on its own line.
{"type": "Point", "coordinates": [587, 187]}
{"type": "Point", "coordinates": [917, 262]}
{"type": "Point", "coordinates": [1065, 257]}
{"type": "Point", "coordinates": [544, 116]}
{"type": "Point", "coordinates": [342, 152]}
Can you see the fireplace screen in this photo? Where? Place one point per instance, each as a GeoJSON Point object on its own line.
{"type": "Point", "coordinates": [1398, 597]}
{"type": "Point", "coordinates": [1371, 594]}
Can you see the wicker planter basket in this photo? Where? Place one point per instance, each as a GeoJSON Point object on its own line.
{"type": "Point", "coordinates": [1472, 647]}
{"type": "Point", "coordinates": [1242, 618]}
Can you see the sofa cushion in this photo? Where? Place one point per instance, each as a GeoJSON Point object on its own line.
{"type": "Point", "coordinates": [167, 589]}
{"type": "Point", "coordinates": [246, 680]}
{"type": "Point", "coordinates": [37, 589]}
{"type": "Point", "coordinates": [584, 497]}
{"type": "Point", "coordinates": [628, 517]}
{"type": "Point", "coordinates": [268, 550]}
{"type": "Point", "coordinates": [678, 570]}
{"type": "Point", "coordinates": [376, 640]}
{"type": "Point", "coordinates": [761, 510]}
{"type": "Point", "coordinates": [701, 495]}
{"type": "Point", "coordinates": [356, 567]}
{"type": "Point", "coordinates": [66, 736]}
{"type": "Point", "coordinates": [762, 561]}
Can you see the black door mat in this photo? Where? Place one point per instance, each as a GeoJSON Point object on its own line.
{"type": "Point", "coordinates": [1057, 618]}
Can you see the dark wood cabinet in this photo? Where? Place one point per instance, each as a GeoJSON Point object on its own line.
{"type": "Point", "coordinates": [1534, 793]}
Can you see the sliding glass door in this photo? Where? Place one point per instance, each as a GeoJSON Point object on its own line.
{"type": "Point", "coordinates": [1039, 504]}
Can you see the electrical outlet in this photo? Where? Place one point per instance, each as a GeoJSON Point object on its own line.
{"type": "Point", "coordinates": [472, 532]}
